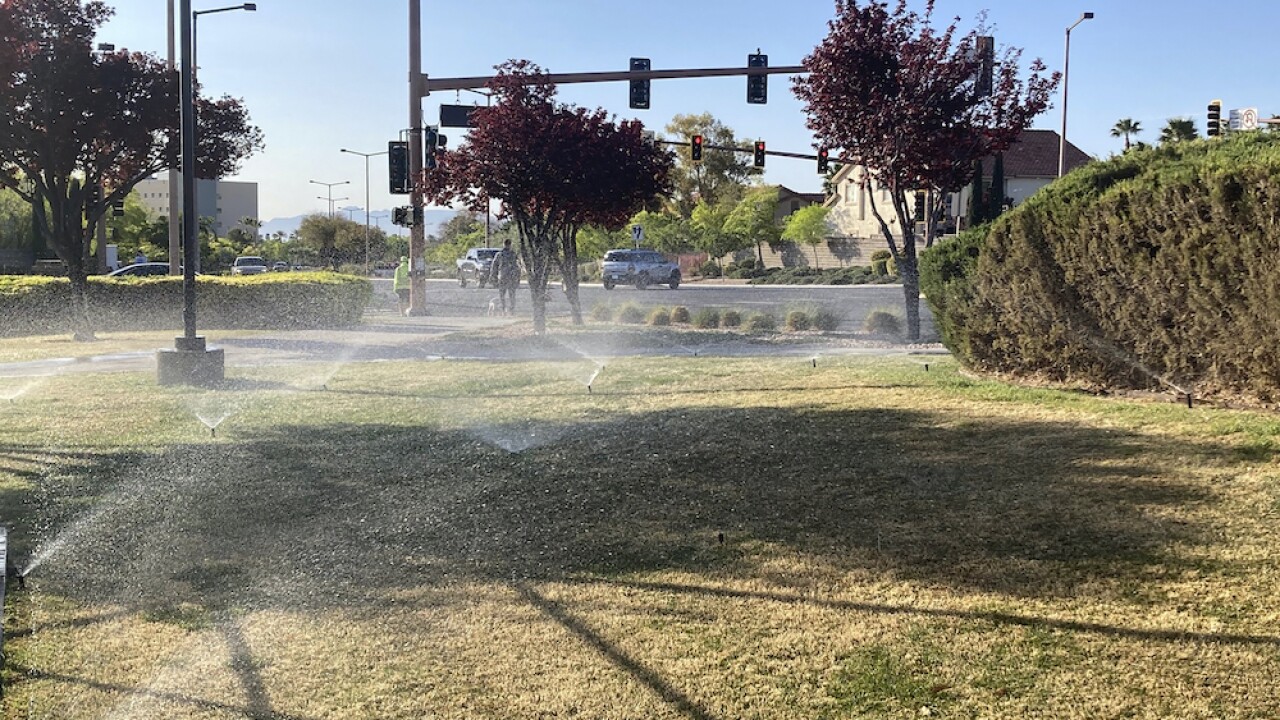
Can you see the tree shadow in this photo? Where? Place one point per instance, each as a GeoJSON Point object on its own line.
{"type": "Point", "coordinates": [1026, 508]}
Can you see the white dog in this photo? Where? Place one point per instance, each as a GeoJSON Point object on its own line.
{"type": "Point", "coordinates": [493, 310]}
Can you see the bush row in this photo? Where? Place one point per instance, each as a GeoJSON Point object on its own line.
{"type": "Point", "coordinates": [814, 318]}
{"type": "Point", "coordinates": [1153, 268]}
{"type": "Point", "coordinates": [39, 305]}
{"type": "Point", "coordinates": [881, 270]}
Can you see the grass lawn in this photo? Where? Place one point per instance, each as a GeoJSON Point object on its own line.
{"type": "Point", "coordinates": [696, 538]}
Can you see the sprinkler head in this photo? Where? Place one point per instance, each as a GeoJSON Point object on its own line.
{"type": "Point", "coordinates": [213, 432]}
{"type": "Point", "coordinates": [926, 367]}
{"type": "Point", "coordinates": [720, 538]}
{"type": "Point", "coordinates": [1189, 405]}
{"type": "Point", "coordinates": [815, 362]}
{"type": "Point", "coordinates": [588, 389]}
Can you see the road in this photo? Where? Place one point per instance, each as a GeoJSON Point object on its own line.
{"type": "Point", "coordinates": [850, 303]}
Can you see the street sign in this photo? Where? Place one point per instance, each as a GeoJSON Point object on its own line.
{"type": "Point", "coordinates": [456, 115]}
{"type": "Point", "coordinates": [637, 234]}
{"type": "Point", "coordinates": [1244, 119]}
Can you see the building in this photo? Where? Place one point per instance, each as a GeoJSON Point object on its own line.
{"type": "Point", "coordinates": [1029, 164]}
{"type": "Point", "coordinates": [225, 201]}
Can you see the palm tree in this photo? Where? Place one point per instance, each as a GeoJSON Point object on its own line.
{"type": "Point", "coordinates": [1126, 128]}
{"type": "Point", "coordinates": [1179, 129]}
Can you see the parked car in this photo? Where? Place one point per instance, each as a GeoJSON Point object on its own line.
{"type": "Point", "coordinates": [279, 266]}
{"type": "Point", "coordinates": [140, 270]}
{"type": "Point", "coordinates": [248, 265]}
{"type": "Point", "coordinates": [641, 268]}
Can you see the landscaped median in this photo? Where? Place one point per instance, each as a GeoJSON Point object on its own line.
{"type": "Point", "coordinates": [41, 305]}
{"type": "Point", "coordinates": [700, 537]}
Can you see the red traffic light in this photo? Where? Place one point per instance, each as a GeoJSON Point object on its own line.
{"type": "Point", "coordinates": [759, 159]}
{"type": "Point", "coordinates": [824, 156]}
{"type": "Point", "coordinates": [695, 148]}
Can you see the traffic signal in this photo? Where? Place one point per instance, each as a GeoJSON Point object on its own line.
{"type": "Point", "coordinates": [400, 216]}
{"type": "Point", "coordinates": [986, 51]}
{"type": "Point", "coordinates": [919, 206]}
{"type": "Point", "coordinates": [695, 148]}
{"type": "Point", "coordinates": [639, 88]}
{"type": "Point", "coordinates": [824, 160]}
{"type": "Point", "coordinates": [1215, 118]}
{"type": "Point", "coordinates": [398, 166]}
{"type": "Point", "coordinates": [759, 160]}
{"type": "Point", "coordinates": [757, 85]}
{"type": "Point", "coordinates": [430, 140]}
{"type": "Point", "coordinates": [117, 208]}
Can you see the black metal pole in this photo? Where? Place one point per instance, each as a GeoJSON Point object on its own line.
{"type": "Point", "coordinates": [190, 242]}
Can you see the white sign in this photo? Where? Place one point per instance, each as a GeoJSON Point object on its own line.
{"type": "Point", "coordinates": [1244, 119]}
{"type": "Point", "coordinates": [637, 233]}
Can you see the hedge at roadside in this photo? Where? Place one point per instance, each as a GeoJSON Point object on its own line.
{"type": "Point", "coordinates": [41, 305]}
{"type": "Point", "coordinates": [1155, 268]}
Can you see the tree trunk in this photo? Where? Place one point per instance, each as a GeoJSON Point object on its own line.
{"type": "Point", "coordinates": [539, 254]}
{"type": "Point", "coordinates": [759, 255]}
{"type": "Point", "coordinates": [910, 274]}
{"type": "Point", "coordinates": [569, 275]}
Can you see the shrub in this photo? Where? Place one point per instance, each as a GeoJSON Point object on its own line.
{"type": "Point", "coordinates": [680, 314]}
{"type": "Point", "coordinates": [602, 312]}
{"type": "Point", "coordinates": [707, 318]}
{"type": "Point", "coordinates": [1150, 267]}
{"type": "Point", "coordinates": [659, 316]}
{"type": "Point", "coordinates": [731, 318]}
{"type": "Point", "coordinates": [631, 314]}
{"type": "Point", "coordinates": [38, 305]}
{"type": "Point", "coordinates": [797, 320]}
{"type": "Point", "coordinates": [761, 322]}
{"type": "Point", "coordinates": [709, 269]}
{"type": "Point", "coordinates": [883, 322]}
{"type": "Point", "coordinates": [824, 320]}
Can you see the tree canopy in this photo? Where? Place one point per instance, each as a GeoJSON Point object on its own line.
{"type": "Point", "coordinates": [83, 127]}
{"type": "Point", "coordinates": [721, 175]}
{"type": "Point", "coordinates": [555, 167]}
{"type": "Point", "coordinates": [909, 103]}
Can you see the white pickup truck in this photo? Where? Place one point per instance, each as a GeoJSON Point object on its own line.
{"type": "Point", "coordinates": [475, 265]}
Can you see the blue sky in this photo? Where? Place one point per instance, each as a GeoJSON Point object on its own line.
{"type": "Point", "coordinates": [319, 75]}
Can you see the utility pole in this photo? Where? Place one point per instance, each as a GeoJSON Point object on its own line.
{"type": "Point", "coordinates": [175, 187]}
{"type": "Point", "coordinates": [417, 237]}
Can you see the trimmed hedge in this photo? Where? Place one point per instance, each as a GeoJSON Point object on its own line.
{"type": "Point", "coordinates": [42, 306]}
{"type": "Point", "coordinates": [1154, 268]}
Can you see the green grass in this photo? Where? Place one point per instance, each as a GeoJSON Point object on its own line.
{"type": "Point", "coordinates": [458, 539]}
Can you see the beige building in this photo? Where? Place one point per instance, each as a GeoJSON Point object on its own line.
{"type": "Point", "coordinates": [1029, 164]}
{"type": "Point", "coordinates": [227, 202]}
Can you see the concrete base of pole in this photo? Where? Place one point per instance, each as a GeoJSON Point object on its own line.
{"type": "Point", "coordinates": [190, 363]}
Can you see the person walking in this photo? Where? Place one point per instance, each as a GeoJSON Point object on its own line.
{"type": "Point", "coordinates": [505, 274]}
{"type": "Point", "coordinates": [401, 283]}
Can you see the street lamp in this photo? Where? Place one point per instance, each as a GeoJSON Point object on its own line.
{"type": "Point", "coordinates": [330, 186]}
{"type": "Point", "coordinates": [1066, 68]}
{"type": "Point", "coordinates": [366, 157]}
{"type": "Point", "coordinates": [195, 29]}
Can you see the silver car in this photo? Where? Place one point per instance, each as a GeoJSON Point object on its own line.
{"type": "Point", "coordinates": [641, 268]}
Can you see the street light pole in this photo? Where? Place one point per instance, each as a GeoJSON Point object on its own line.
{"type": "Point", "coordinates": [330, 186]}
{"type": "Point", "coordinates": [175, 186]}
{"type": "Point", "coordinates": [417, 237]}
{"type": "Point", "coordinates": [1066, 69]}
{"type": "Point", "coordinates": [366, 157]}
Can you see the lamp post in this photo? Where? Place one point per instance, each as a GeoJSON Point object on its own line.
{"type": "Point", "coordinates": [195, 28]}
{"type": "Point", "coordinates": [330, 186]}
{"type": "Point", "coordinates": [366, 157]}
{"type": "Point", "coordinates": [1066, 69]}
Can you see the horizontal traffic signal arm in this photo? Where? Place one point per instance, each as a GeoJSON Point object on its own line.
{"type": "Point", "coordinates": [473, 83]}
{"type": "Point", "coordinates": [751, 149]}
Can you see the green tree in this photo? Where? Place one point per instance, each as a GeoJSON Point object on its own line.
{"type": "Point", "coordinates": [16, 232]}
{"type": "Point", "coordinates": [1126, 128]}
{"type": "Point", "coordinates": [720, 175]}
{"type": "Point", "coordinates": [807, 226]}
{"type": "Point", "coordinates": [662, 230]}
{"type": "Point", "coordinates": [1179, 130]}
{"type": "Point", "coordinates": [755, 218]}
{"type": "Point", "coordinates": [707, 227]}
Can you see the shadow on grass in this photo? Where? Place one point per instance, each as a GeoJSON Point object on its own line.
{"type": "Point", "coordinates": [1026, 508]}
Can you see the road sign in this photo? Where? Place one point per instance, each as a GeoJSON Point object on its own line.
{"type": "Point", "coordinates": [456, 115]}
{"type": "Point", "coordinates": [1244, 119]}
{"type": "Point", "coordinates": [637, 234]}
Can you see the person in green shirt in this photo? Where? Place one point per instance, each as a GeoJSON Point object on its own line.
{"type": "Point", "coordinates": [401, 284]}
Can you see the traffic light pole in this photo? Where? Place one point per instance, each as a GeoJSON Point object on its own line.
{"type": "Point", "coordinates": [417, 236]}
{"type": "Point", "coordinates": [471, 83]}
